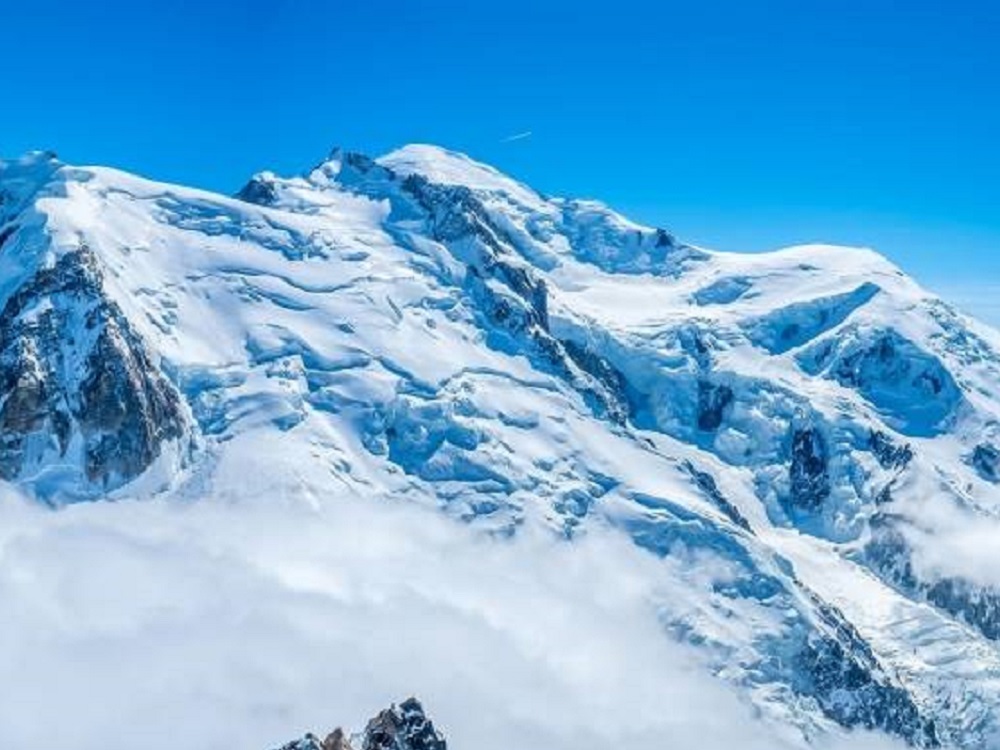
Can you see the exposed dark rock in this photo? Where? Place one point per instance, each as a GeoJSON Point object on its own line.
{"type": "Point", "coordinates": [614, 382]}
{"type": "Point", "coordinates": [528, 288]}
{"type": "Point", "coordinates": [706, 483]}
{"type": "Point", "coordinates": [840, 669]}
{"type": "Point", "coordinates": [511, 294]}
{"type": "Point", "coordinates": [602, 386]}
{"type": "Point", "coordinates": [403, 727]}
{"type": "Point", "coordinates": [455, 214]}
{"type": "Point", "coordinates": [884, 495]}
{"type": "Point", "coordinates": [664, 238]}
{"type": "Point", "coordinates": [808, 472]}
{"type": "Point", "coordinates": [308, 742]}
{"type": "Point", "coordinates": [358, 161]}
{"type": "Point", "coordinates": [70, 362]}
{"type": "Point", "coordinates": [887, 452]}
{"type": "Point", "coordinates": [713, 401]}
{"type": "Point", "coordinates": [336, 740]}
{"type": "Point", "coordinates": [986, 461]}
{"type": "Point", "coordinates": [259, 190]}
{"type": "Point", "coordinates": [858, 696]}
{"type": "Point", "coordinates": [454, 210]}
{"type": "Point", "coordinates": [978, 606]}
{"type": "Point", "coordinates": [6, 233]}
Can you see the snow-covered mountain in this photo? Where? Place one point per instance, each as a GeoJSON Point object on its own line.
{"type": "Point", "coordinates": [797, 435]}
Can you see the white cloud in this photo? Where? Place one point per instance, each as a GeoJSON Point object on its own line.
{"type": "Point", "coordinates": [212, 625]}
{"type": "Point", "coordinates": [949, 541]}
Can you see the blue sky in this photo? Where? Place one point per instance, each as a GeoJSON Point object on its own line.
{"type": "Point", "coordinates": [742, 126]}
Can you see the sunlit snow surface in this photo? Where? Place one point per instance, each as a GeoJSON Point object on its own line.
{"type": "Point", "coordinates": [345, 375]}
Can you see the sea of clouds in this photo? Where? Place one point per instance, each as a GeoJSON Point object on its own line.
{"type": "Point", "coordinates": [228, 626]}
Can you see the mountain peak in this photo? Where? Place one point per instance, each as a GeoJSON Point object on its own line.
{"type": "Point", "coordinates": [446, 167]}
{"type": "Point", "coordinates": [403, 727]}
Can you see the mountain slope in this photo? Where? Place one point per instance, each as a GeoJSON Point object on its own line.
{"type": "Point", "coordinates": [779, 429]}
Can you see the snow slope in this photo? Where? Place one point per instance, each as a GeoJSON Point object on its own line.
{"type": "Point", "coordinates": [777, 431]}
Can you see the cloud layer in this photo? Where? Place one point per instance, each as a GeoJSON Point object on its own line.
{"type": "Point", "coordinates": [211, 625]}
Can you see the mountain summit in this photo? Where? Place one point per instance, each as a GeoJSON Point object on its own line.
{"type": "Point", "coordinates": [793, 430]}
{"type": "Point", "coordinates": [403, 727]}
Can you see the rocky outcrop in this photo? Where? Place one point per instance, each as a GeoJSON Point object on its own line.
{"type": "Point", "coordinates": [77, 384]}
{"type": "Point", "coordinates": [713, 401]}
{"type": "Point", "coordinates": [809, 477]}
{"type": "Point", "coordinates": [259, 190]}
{"type": "Point", "coordinates": [402, 727]}
{"type": "Point", "coordinates": [856, 694]}
{"type": "Point", "coordinates": [834, 665]}
{"type": "Point", "coordinates": [986, 461]}
{"type": "Point", "coordinates": [510, 293]}
{"type": "Point", "coordinates": [706, 483]}
{"type": "Point", "coordinates": [336, 740]}
{"type": "Point", "coordinates": [888, 453]}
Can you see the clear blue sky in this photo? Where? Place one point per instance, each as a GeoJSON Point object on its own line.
{"type": "Point", "coordinates": [737, 125]}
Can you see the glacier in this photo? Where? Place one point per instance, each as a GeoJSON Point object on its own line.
{"type": "Point", "coordinates": [786, 439]}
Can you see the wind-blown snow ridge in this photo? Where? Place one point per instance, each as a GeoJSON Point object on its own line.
{"type": "Point", "coordinates": [424, 328]}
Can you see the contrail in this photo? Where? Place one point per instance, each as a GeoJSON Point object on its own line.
{"type": "Point", "coordinates": [516, 137]}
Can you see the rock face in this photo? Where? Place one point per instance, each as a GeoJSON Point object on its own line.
{"type": "Point", "coordinates": [336, 740]}
{"type": "Point", "coordinates": [986, 460]}
{"type": "Point", "coordinates": [842, 664]}
{"type": "Point", "coordinates": [808, 474]}
{"type": "Point", "coordinates": [402, 727]}
{"type": "Point", "coordinates": [509, 291]}
{"type": "Point", "coordinates": [258, 190]}
{"type": "Point", "coordinates": [405, 727]}
{"type": "Point", "coordinates": [713, 400]}
{"type": "Point", "coordinates": [889, 454]}
{"type": "Point", "coordinates": [77, 384]}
